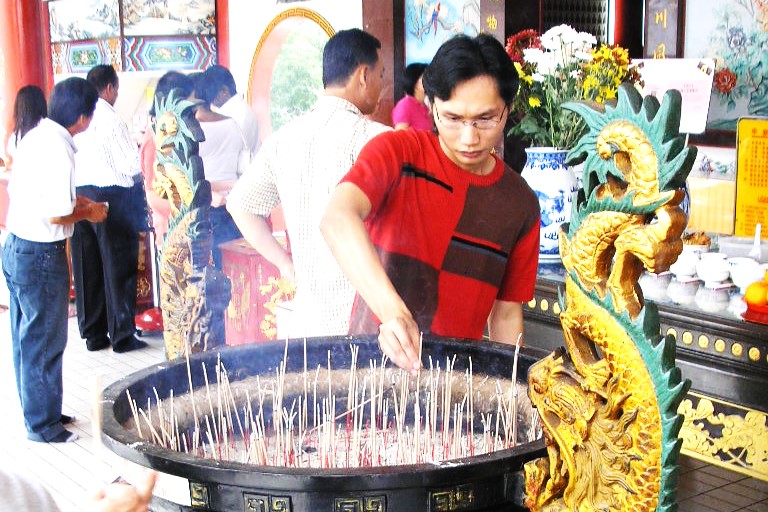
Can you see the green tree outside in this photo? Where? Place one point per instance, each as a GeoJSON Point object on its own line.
{"type": "Point", "coordinates": [297, 79]}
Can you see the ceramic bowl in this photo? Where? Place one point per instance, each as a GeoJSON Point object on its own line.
{"type": "Point", "coordinates": [654, 286]}
{"type": "Point", "coordinates": [683, 291]}
{"type": "Point", "coordinates": [744, 271]}
{"type": "Point", "coordinates": [698, 249]}
{"type": "Point", "coordinates": [712, 300]}
{"type": "Point", "coordinates": [685, 266]}
{"type": "Point", "coordinates": [712, 268]}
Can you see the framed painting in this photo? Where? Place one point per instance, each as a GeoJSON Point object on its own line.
{"type": "Point", "coordinates": [169, 17]}
{"type": "Point", "coordinates": [78, 20]}
{"type": "Point", "coordinates": [429, 24]}
{"type": "Point", "coordinates": [735, 34]}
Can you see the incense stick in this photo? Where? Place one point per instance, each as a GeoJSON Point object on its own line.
{"type": "Point", "coordinates": [390, 416]}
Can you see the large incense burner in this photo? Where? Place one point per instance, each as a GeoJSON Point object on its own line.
{"type": "Point", "coordinates": [210, 440]}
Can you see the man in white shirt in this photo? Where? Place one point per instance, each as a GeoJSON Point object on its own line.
{"type": "Point", "coordinates": [43, 207]}
{"type": "Point", "coordinates": [298, 167]}
{"type": "Point", "coordinates": [105, 256]}
{"type": "Point", "coordinates": [227, 102]}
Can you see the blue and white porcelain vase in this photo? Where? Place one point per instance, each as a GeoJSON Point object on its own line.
{"type": "Point", "coordinates": [555, 185]}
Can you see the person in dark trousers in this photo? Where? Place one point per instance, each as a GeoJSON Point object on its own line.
{"type": "Point", "coordinates": [43, 207]}
{"type": "Point", "coordinates": [105, 256]}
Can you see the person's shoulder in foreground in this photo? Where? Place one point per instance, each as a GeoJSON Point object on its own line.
{"type": "Point", "coordinates": [23, 494]}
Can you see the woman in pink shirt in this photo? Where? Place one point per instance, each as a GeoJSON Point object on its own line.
{"type": "Point", "coordinates": [411, 111]}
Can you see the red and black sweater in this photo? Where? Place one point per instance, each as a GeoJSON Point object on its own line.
{"type": "Point", "coordinates": [450, 241]}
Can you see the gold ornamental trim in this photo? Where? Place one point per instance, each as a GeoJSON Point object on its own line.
{"type": "Point", "coordinates": [300, 12]}
{"type": "Point", "coordinates": [724, 434]}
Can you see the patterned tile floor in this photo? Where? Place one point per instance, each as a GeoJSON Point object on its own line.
{"type": "Point", "coordinates": [72, 470]}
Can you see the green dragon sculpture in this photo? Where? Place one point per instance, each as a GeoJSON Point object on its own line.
{"type": "Point", "coordinates": [609, 405]}
{"type": "Point", "coordinates": [193, 294]}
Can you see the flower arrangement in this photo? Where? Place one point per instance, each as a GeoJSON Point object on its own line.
{"type": "Point", "coordinates": [556, 67]}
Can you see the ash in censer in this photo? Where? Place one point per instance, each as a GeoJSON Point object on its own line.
{"type": "Point", "coordinates": [367, 414]}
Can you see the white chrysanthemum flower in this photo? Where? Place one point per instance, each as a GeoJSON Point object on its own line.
{"type": "Point", "coordinates": [538, 77]}
{"type": "Point", "coordinates": [533, 55]}
{"type": "Point", "coordinates": [551, 44]}
{"type": "Point", "coordinates": [583, 55]}
{"type": "Point", "coordinates": [571, 36]}
{"type": "Point", "coordinates": [588, 38]}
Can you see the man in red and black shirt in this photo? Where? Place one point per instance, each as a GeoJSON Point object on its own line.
{"type": "Point", "coordinates": [434, 231]}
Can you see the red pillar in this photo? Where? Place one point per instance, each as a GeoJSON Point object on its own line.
{"type": "Point", "coordinates": [24, 55]}
{"type": "Point", "coordinates": [222, 32]}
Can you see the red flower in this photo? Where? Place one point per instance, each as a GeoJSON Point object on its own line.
{"type": "Point", "coordinates": [523, 40]}
{"type": "Point", "coordinates": [725, 80]}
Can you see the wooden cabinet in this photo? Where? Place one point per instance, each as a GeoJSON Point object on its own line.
{"type": "Point", "coordinates": [145, 292]}
{"type": "Point", "coordinates": [248, 271]}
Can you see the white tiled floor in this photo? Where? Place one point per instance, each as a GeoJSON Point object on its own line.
{"type": "Point", "coordinates": [72, 470]}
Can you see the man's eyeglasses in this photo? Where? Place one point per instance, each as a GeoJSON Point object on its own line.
{"type": "Point", "coordinates": [457, 123]}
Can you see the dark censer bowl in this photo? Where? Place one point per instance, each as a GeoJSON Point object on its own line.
{"type": "Point", "coordinates": [489, 482]}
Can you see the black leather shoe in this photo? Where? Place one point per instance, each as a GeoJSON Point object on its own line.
{"type": "Point", "coordinates": [95, 344]}
{"type": "Point", "coordinates": [129, 344]}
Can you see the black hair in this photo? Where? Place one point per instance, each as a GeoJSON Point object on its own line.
{"type": "Point", "coordinates": [463, 58]}
{"type": "Point", "coordinates": [195, 78]}
{"type": "Point", "coordinates": [221, 77]}
{"type": "Point", "coordinates": [28, 109]}
{"type": "Point", "coordinates": [101, 76]}
{"type": "Point", "coordinates": [170, 81]}
{"type": "Point", "coordinates": [205, 90]}
{"type": "Point", "coordinates": [70, 99]}
{"type": "Point", "coordinates": [411, 76]}
{"type": "Point", "coordinates": [345, 51]}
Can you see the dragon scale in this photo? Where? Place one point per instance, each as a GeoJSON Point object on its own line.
{"type": "Point", "coordinates": [609, 404]}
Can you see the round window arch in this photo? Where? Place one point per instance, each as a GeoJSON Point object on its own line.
{"type": "Point", "coordinates": [286, 71]}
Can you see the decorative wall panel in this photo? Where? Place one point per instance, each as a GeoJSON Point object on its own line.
{"type": "Point", "coordinates": [132, 35]}
{"type": "Point", "coordinates": [80, 56]}
{"type": "Point", "coordinates": [162, 54]}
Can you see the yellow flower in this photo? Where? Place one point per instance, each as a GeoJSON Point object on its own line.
{"type": "Point", "coordinates": [549, 78]}
{"type": "Point", "coordinates": [524, 77]}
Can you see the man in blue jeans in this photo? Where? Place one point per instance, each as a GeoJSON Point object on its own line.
{"type": "Point", "coordinates": [42, 212]}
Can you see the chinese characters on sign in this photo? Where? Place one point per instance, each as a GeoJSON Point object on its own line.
{"type": "Point", "coordinates": [661, 29]}
{"type": "Point", "coordinates": [492, 16]}
{"type": "Point", "coordinates": [751, 175]}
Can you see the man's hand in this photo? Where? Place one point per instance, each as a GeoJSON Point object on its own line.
{"type": "Point", "coordinates": [120, 497]}
{"type": "Point", "coordinates": [218, 198]}
{"type": "Point", "coordinates": [399, 339]}
{"type": "Point", "coordinates": [97, 212]}
{"type": "Point", "coordinates": [287, 270]}
{"type": "Point", "coordinates": [87, 209]}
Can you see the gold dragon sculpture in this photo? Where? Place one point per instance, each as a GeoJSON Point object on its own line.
{"type": "Point", "coordinates": [193, 294]}
{"type": "Point", "coordinates": [609, 404]}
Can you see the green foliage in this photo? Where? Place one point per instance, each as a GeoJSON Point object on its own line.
{"type": "Point", "coordinates": [297, 79]}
